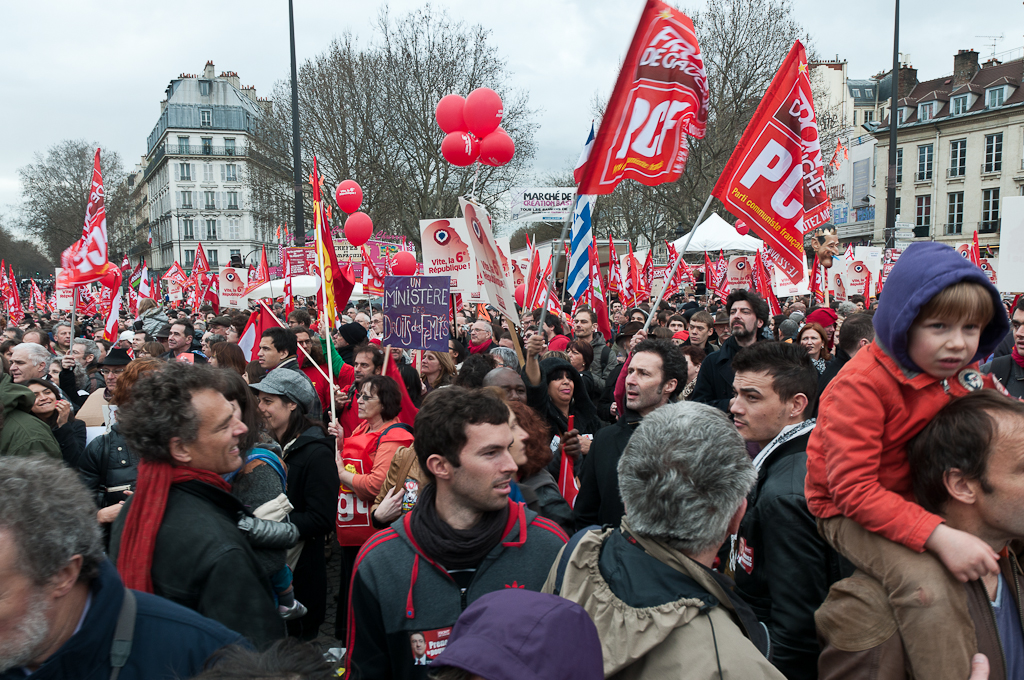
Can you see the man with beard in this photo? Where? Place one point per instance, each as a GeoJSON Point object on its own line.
{"type": "Point", "coordinates": [64, 604]}
{"type": "Point", "coordinates": [748, 314]}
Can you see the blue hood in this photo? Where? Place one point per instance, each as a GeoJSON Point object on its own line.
{"type": "Point", "coordinates": [922, 271]}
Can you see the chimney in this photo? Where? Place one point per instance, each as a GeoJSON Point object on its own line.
{"type": "Point", "coordinates": [965, 65]}
{"type": "Point", "coordinates": [232, 78]}
{"type": "Point", "coordinates": [992, 62]}
{"type": "Point", "coordinates": [907, 81]}
{"type": "Point", "coordinates": [209, 71]}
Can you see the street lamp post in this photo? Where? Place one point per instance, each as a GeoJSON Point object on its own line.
{"type": "Point", "coordinates": [890, 193]}
{"type": "Point", "coordinates": [300, 230]}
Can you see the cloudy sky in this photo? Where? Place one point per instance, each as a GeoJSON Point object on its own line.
{"type": "Point", "coordinates": [97, 70]}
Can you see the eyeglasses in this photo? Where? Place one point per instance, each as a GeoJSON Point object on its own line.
{"type": "Point", "coordinates": [365, 397]}
{"type": "Point", "coordinates": [111, 371]}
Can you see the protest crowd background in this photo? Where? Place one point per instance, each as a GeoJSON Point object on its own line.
{"type": "Point", "coordinates": [589, 468]}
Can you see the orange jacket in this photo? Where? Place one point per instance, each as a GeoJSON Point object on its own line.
{"type": "Point", "coordinates": [856, 458]}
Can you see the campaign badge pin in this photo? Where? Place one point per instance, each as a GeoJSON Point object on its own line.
{"type": "Point", "coordinates": [971, 380]}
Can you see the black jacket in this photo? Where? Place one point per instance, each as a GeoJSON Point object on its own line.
{"type": "Point", "coordinates": [203, 561]}
{"type": "Point", "coordinates": [714, 381]}
{"type": "Point", "coordinates": [71, 438]}
{"type": "Point", "coordinates": [313, 486]}
{"type": "Point", "coordinates": [169, 642]}
{"type": "Point", "coordinates": [831, 371]}
{"type": "Point", "coordinates": [598, 501]}
{"type": "Point", "coordinates": [107, 463]}
{"type": "Point", "coordinates": [784, 568]}
{"type": "Point", "coordinates": [1008, 373]}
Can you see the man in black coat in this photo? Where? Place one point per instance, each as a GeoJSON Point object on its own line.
{"type": "Point", "coordinates": [781, 566]}
{"type": "Point", "coordinates": [63, 601]}
{"type": "Point", "coordinates": [655, 374]}
{"type": "Point", "coordinates": [1008, 368]}
{"type": "Point", "coordinates": [748, 314]}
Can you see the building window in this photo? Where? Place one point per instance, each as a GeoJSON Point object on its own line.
{"type": "Point", "coordinates": [211, 201]}
{"type": "Point", "coordinates": [869, 116]}
{"type": "Point", "coordinates": [989, 210]}
{"type": "Point", "coordinates": [995, 97]}
{"type": "Point", "coordinates": [955, 213]}
{"type": "Point", "coordinates": [232, 200]}
{"type": "Point", "coordinates": [205, 118]}
{"type": "Point", "coordinates": [958, 158]}
{"type": "Point", "coordinates": [855, 116]}
{"type": "Point", "coordinates": [184, 172]}
{"type": "Point", "coordinates": [959, 105]}
{"type": "Point", "coordinates": [856, 93]}
{"type": "Point", "coordinates": [204, 88]}
{"type": "Point", "coordinates": [899, 208]}
{"type": "Point", "coordinates": [189, 227]}
{"type": "Point", "coordinates": [924, 215]}
{"type": "Point", "coordinates": [183, 145]}
{"type": "Point", "coordinates": [207, 172]}
{"type": "Point", "coordinates": [211, 258]}
{"type": "Point", "coordinates": [190, 258]}
{"type": "Point", "coordinates": [207, 146]}
{"type": "Point", "coordinates": [211, 229]}
{"type": "Point", "coordinates": [230, 172]}
{"type": "Point", "coordinates": [924, 111]}
{"type": "Point", "coordinates": [993, 153]}
{"type": "Point", "coordinates": [899, 166]}
{"type": "Point", "coordinates": [924, 162]}
{"type": "Point", "coordinates": [900, 116]}
{"type": "Point", "coordinates": [234, 229]}
{"type": "Point", "coordinates": [229, 146]}
{"type": "Point", "coordinates": [186, 200]}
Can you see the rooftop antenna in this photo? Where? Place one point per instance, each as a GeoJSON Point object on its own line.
{"type": "Point", "coordinates": [995, 41]}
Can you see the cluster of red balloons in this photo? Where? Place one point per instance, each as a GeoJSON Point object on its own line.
{"type": "Point", "coordinates": [471, 127]}
{"type": "Point", "coordinates": [358, 225]}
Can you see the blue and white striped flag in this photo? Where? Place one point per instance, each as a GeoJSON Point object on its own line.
{"type": "Point", "coordinates": [579, 243]}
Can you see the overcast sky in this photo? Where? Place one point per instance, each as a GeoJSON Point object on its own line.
{"type": "Point", "coordinates": [98, 70]}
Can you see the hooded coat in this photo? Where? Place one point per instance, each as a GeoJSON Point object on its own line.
{"type": "Point", "coordinates": [856, 457]}
{"type": "Point", "coordinates": [21, 432]}
{"type": "Point", "coordinates": [584, 411]}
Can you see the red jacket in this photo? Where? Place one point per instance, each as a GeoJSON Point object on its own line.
{"type": "Point", "coordinates": [856, 458]}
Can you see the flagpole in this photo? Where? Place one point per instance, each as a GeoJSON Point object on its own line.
{"type": "Point", "coordinates": [282, 325]}
{"type": "Point", "coordinates": [675, 265]}
{"type": "Point", "coordinates": [318, 221]}
{"type": "Point", "coordinates": [561, 242]}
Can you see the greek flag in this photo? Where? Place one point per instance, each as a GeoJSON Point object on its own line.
{"type": "Point", "coordinates": [581, 239]}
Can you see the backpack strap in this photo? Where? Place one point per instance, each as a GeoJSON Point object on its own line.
{"type": "Point", "coordinates": [604, 357]}
{"type": "Point", "coordinates": [121, 646]}
{"type": "Point", "coordinates": [387, 429]}
{"type": "Point", "coordinates": [567, 552]}
{"type": "Point", "coordinates": [273, 461]}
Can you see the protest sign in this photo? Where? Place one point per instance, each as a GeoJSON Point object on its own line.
{"type": "Point", "coordinates": [541, 204]}
{"type": "Point", "coordinates": [446, 251]}
{"type": "Point", "coordinates": [496, 286]}
{"type": "Point", "coordinates": [740, 273]}
{"type": "Point", "coordinates": [301, 261]}
{"type": "Point", "coordinates": [232, 287]}
{"type": "Point", "coordinates": [988, 265]}
{"type": "Point", "coordinates": [416, 312]}
{"type": "Point", "coordinates": [783, 286]}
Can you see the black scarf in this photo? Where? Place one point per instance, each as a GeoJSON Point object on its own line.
{"type": "Point", "coordinates": [454, 548]}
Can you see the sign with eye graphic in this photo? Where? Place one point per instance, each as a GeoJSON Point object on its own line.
{"type": "Point", "coordinates": [856, 279]}
{"type": "Point", "coordinates": [232, 287]}
{"type": "Point", "coordinates": [446, 251]}
{"type": "Point", "coordinates": [740, 273]}
{"type": "Point", "coordinates": [497, 288]}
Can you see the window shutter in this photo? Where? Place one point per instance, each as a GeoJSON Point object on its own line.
{"type": "Point", "coordinates": [192, 169]}
{"type": "Point", "coordinates": [177, 172]}
{"type": "Point", "coordinates": [222, 172]}
{"type": "Point", "coordinates": [220, 234]}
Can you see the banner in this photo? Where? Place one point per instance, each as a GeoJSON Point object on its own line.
{"type": "Point", "coordinates": [301, 260]}
{"type": "Point", "coordinates": [541, 204]}
{"type": "Point", "coordinates": [445, 244]}
{"type": "Point", "coordinates": [774, 180]}
{"type": "Point", "coordinates": [86, 260]}
{"type": "Point", "coordinates": [232, 287]}
{"type": "Point", "coordinates": [416, 312]}
{"type": "Point", "coordinates": [496, 287]}
{"type": "Point", "coordinates": [660, 96]}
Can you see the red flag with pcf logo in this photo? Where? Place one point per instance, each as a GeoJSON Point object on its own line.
{"type": "Point", "coordinates": [660, 97]}
{"type": "Point", "coordinates": [86, 260]}
{"type": "Point", "coordinates": [775, 179]}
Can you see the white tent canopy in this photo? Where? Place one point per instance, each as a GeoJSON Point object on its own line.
{"type": "Point", "coordinates": [301, 285]}
{"type": "Point", "coordinates": [714, 234]}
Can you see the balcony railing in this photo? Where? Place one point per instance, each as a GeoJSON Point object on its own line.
{"type": "Point", "coordinates": [989, 227]}
{"type": "Point", "coordinates": [203, 150]}
{"type": "Point", "coordinates": [925, 176]}
{"type": "Point", "coordinates": [954, 173]}
{"type": "Point", "coordinates": [991, 168]}
{"type": "Point", "coordinates": [954, 228]}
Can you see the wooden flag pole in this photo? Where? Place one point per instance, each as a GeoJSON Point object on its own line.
{"type": "Point", "coordinates": [313, 363]}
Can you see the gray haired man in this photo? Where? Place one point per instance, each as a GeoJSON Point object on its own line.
{"type": "Point", "coordinates": [684, 478]}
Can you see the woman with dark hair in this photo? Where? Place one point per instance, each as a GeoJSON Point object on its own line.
{"type": "Point", "coordinates": [437, 370]}
{"type": "Point", "coordinates": [254, 373]}
{"type": "Point", "coordinates": [531, 452]}
{"type": "Point", "coordinates": [227, 355]}
{"type": "Point", "coordinates": [55, 412]}
{"type": "Point", "coordinates": [457, 351]}
{"type": "Point", "coordinates": [308, 451]}
{"type": "Point", "coordinates": [581, 356]}
{"type": "Point", "coordinates": [814, 339]}
{"type": "Point", "coordinates": [694, 358]}
{"type": "Point", "coordinates": [108, 468]}
{"type": "Point", "coordinates": [362, 467]}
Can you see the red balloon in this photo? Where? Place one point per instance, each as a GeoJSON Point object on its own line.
{"type": "Point", "coordinates": [520, 295]}
{"type": "Point", "coordinates": [460, 148]}
{"type": "Point", "coordinates": [483, 111]}
{"type": "Point", "coordinates": [358, 228]}
{"type": "Point", "coordinates": [404, 263]}
{"type": "Point", "coordinates": [448, 113]}
{"type": "Point", "coordinates": [497, 148]}
{"type": "Point", "coordinates": [741, 228]}
{"type": "Point", "coordinates": [349, 196]}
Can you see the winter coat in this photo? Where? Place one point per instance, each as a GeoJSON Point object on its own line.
{"type": "Point", "coordinates": [784, 568]}
{"type": "Point", "coordinates": [541, 494]}
{"type": "Point", "coordinates": [861, 641]}
{"type": "Point", "coordinates": [598, 501]}
{"type": "Point", "coordinates": [659, 613]}
{"type": "Point", "coordinates": [202, 561]}
{"type": "Point", "coordinates": [151, 321]}
{"type": "Point", "coordinates": [70, 438]}
{"type": "Point", "coordinates": [832, 369]}
{"type": "Point", "coordinates": [313, 491]}
{"type": "Point", "coordinates": [397, 590]}
{"type": "Point", "coordinates": [86, 655]}
{"type": "Point", "coordinates": [714, 380]}
{"type": "Point", "coordinates": [1009, 374]}
{"type": "Point", "coordinates": [856, 458]}
{"type": "Point", "coordinates": [605, 357]}
{"type": "Point", "coordinates": [586, 420]}
{"type": "Point", "coordinates": [21, 432]}
{"type": "Point", "coordinates": [107, 463]}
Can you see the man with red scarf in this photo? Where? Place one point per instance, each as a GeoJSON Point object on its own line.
{"type": "Point", "coordinates": [1009, 369]}
{"type": "Point", "coordinates": [481, 337]}
{"type": "Point", "coordinates": [178, 534]}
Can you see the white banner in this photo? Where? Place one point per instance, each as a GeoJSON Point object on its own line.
{"type": "Point", "coordinates": [541, 204]}
{"type": "Point", "coordinates": [497, 287]}
{"type": "Point", "coordinates": [232, 287]}
{"type": "Point", "coordinates": [446, 251]}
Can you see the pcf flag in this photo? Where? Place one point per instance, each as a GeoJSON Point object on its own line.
{"type": "Point", "coordinates": [86, 260]}
{"type": "Point", "coordinates": [775, 179]}
{"type": "Point", "coordinates": [661, 96]}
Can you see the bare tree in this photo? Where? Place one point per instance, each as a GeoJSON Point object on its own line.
{"type": "Point", "coordinates": [23, 255]}
{"type": "Point", "coordinates": [55, 192]}
{"type": "Point", "coordinates": [367, 112]}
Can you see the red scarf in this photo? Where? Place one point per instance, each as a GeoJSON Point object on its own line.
{"type": "Point", "coordinates": [1017, 357]}
{"type": "Point", "coordinates": [481, 348]}
{"type": "Point", "coordinates": [138, 538]}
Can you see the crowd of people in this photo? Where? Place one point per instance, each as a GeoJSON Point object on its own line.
{"type": "Point", "coordinates": [834, 491]}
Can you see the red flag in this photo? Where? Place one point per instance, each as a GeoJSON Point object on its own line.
{"type": "Point", "coordinates": [336, 287]}
{"type": "Point", "coordinates": [763, 282]}
{"type": "Point", "coordinates": [816, 286]}
{"type": "Point", "coordinates": [86, 260]}
{"type": "Point", "coordinates": [598, 302]}
{"type": "Point", "coordinates": [126, 264]}
{"type": "Point", "coordinates": [200, 265]}
{"type": "Point", "coordinates": [709, 275]}
{"type": "Point", "coordinates": [262, 273]}
{"type": "Point", "coordinates": [631, 282]}
{"type": "Point", "coordinates": [976, 250]}
{"type": "Point", "coordinates": [661, 96]}
{"type": "Point", "coordinates": [646, 277]}
{"type": "Point", "coordinates": [176, 274]}
{"type": "Point", "coordinates": [774, 180]}
{"type": "Point", "coordinates": [614, 272]}
{"type": "Point", "coordinates": [540, 290]}
{"type": "Point", "coordinates": [110, 329]}
{"type": "Point", "coordinates": [259, 321]}
{"type": "Point", "coordinates": [721, 276]}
